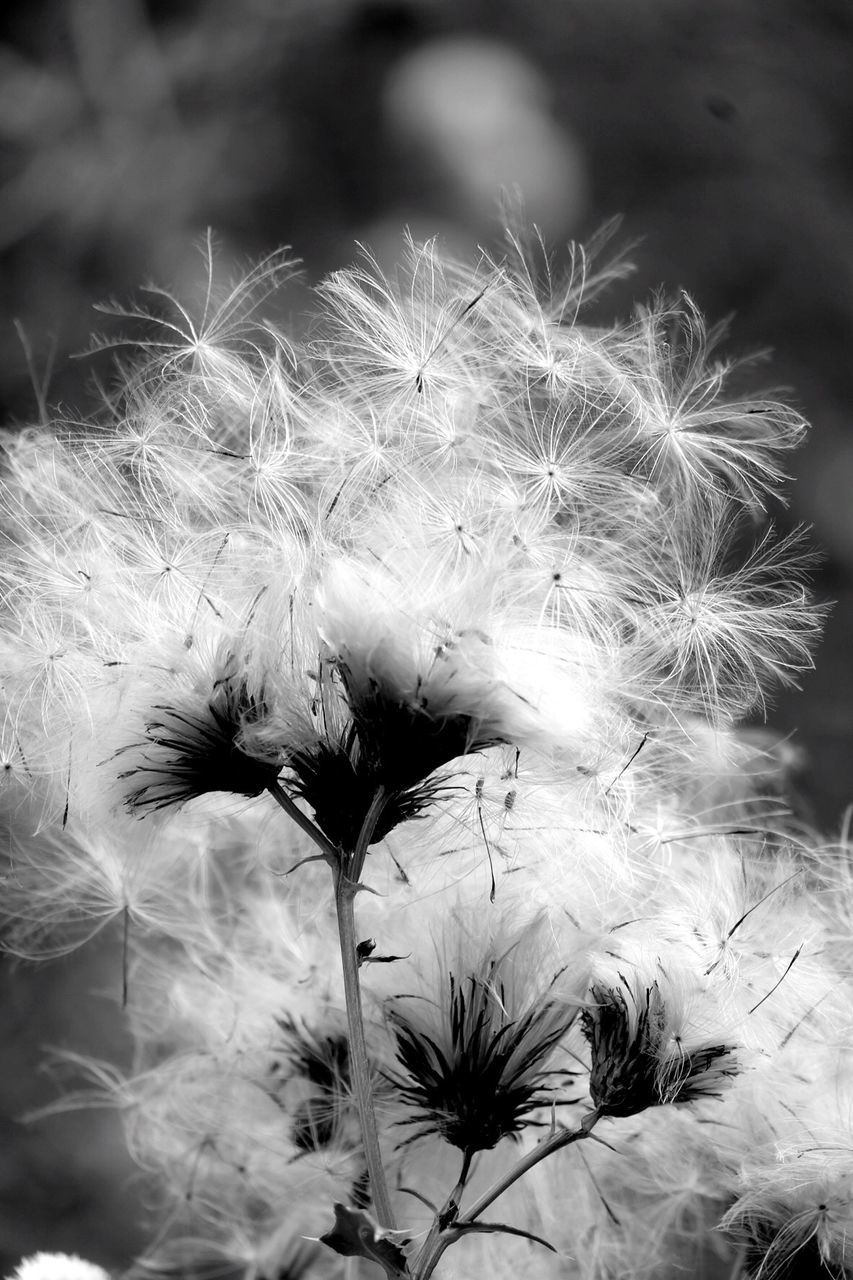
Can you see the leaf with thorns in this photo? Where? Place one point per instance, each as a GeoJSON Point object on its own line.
{"type": "Point", "coordinates": [356, 1235]}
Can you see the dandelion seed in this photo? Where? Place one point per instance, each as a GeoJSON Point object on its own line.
{"type": "Point", "coordinates": [794, 1214]}
{"type": "Point", "coordinates": [691, 439]}
{"type": "Point", "coordinates": [719, 636]}
{"type": "Point", "coordinates": [405, 341]}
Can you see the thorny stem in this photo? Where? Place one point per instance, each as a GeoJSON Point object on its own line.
{"type": "Point", "coordinates": [346, 869]}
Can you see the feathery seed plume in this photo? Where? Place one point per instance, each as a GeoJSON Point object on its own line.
{"type": "Point", "coordinates": [462, 557]}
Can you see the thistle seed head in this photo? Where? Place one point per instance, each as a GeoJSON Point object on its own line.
{"type": "Point", "coordinates": [478, 1062]}
{"type": "Point", "coordinates": [638, 1059]}
{"type": "Point", "coordinates": [195, 746]}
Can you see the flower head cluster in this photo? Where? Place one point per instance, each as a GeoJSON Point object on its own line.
{"type": "Point", "coordinates": [374, 738]}
{"type": "Point", "coordinates": [397, 695]}
{"type": "Point", "coordinates": [454, 556]}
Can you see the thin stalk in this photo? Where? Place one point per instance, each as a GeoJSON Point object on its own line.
{"type": "Point", "coordinates": [345, 892]}
{"type": "Point", "coordinates": [328, 850]}
{"type": "Point", "coordinates": [434, 1246]}
{"type": "Point", "coordinates": [540, 1152]}
{"type": "Point", "coordinates": [430, 1256]}
{"type": "Point", "coordinates": [346, 869]}
{"type": "Point", "coordinates": [437, 1241]}
{"type": "Point", "coordinates": [365, 835]}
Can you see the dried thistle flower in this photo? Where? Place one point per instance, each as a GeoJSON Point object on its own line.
{"type": "Point", "coordinates": [789, 1246]}
{"type": "Point", "coordinates": [397, 694]}
{"type": "Point", "coordinates": [638, 1058]}
{"type": "Point", "coordinates": [338, 770]}
{"type": "Point", "coordinates": [318, 1064]}
{"type": "Point", "coordinates": [794, 1214]}
{"type": "Point", "coordinates": [478, 1062]}
{"type": "Point", "coordinates": [195, 745]}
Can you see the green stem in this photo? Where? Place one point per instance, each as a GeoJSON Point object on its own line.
{"type": "Point", "coordinates": [345, 892]}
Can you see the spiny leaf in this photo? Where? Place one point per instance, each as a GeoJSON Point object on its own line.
{"type": "Point", "coordinates": [356, 1235]}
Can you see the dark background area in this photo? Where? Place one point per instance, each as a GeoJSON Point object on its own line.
{"type": "Point", "coordinates": [721, 130]}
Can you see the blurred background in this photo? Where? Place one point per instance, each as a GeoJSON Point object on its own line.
{"type": "Point", "coordinates": [721, 131]}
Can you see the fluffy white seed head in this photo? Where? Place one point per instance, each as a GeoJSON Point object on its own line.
{"type": "Point", "coordinates": [57, 1266]}
{"type": "Point", "coordinates": [467, 554]}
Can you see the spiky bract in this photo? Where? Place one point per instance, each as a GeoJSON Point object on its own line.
{"type": "Point", "coordinates": [639, 1058]}
{"type": "Point", "coordinates": [477, 1066]}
